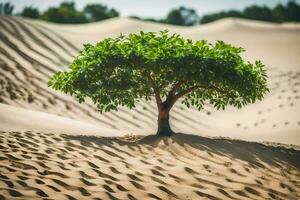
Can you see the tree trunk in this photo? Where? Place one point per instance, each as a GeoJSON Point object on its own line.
{"type": "Point", "coordinates": [164, 128]}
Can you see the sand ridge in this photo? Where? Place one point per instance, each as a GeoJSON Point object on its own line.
{"type": "Point", "coordinates": [57, 166]}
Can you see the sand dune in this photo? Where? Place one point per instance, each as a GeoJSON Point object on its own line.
{"type": "Point", "coordinates": [38, 161]}
{"type": "Point", "coordinates": [31, 51]}
{"type": "Point", "coordinates": [19, 119]}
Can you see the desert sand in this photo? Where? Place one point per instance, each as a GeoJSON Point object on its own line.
{"type": "Point", "coordinates": [54, 166]}
{"type": "Point", "coordinates": [52, 147]}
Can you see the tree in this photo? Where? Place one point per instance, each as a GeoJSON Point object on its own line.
{"type": "Point", "coordinates": [122, 71]}
{"type": "Point", "coordinates": [182, 16]}
{"type": "Point", "coordinates": [280, 13]}
{"type": "Point", "coordinates": [65, 13]}
{"type": "Point", "coordinates": [259, 13]}
{"type": "Point", "coordinates": [292, 12]}
{"type": "Point", "coordinates": [30, 12]}
{"type": "Point", "coordinates": [97, 12]}
{"type": "Point", "coordinates": [6, 8]}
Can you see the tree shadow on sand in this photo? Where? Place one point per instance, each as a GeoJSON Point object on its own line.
{"type": "Point", "coordinates": [256, 154]}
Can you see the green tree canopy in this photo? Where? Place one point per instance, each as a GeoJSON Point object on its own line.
{"type": "Point", "coordinates": [30, 12]}
{"type": "Point", "coordinates": [292, 12]}
{"type": "Point", "coordinates": [121, 71]}
{"type": "Point", "coordinates": [259, 13]}
{"type": "Point", "coordinates": [65, 13]}
{"type": "Point", "coordinates": [182, 16]}
{"type": "Point", "coordinates": [97, 12]}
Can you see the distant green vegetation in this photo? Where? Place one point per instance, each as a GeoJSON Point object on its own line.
{"type": "Point", "coordinates": [31, 12]}
{"type": "Point", "coordinates": [189, 17]}
{"type": "Point", "coordinates": [280, 13]}
{"type": "Point", "coordinates": [66, 12]}
{"type": "Point", "coordinates": [182, 16]}
{"type": "Point", "coordinates": [6, 8]}
{"type": "Point", "coordinates": [97, 12]}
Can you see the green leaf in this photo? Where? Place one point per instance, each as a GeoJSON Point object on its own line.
{"type": "Point", "coordinates": [115, 72]}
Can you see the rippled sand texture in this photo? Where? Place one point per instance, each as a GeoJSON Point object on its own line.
{"type": "Point", "coordinates": [57, 166]}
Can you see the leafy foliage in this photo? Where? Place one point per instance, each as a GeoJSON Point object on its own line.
{"type": "Point", "coordinates": [120, 71]}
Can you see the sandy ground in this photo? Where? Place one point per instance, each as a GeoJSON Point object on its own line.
{"type": "Point", "coordinates": [53, 166]}
{"type": "Point", "coordinates": [37, 161]}
{"type": "Point", "coordinates": [19, 119]}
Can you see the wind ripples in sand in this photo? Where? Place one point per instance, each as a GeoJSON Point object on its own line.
{"type": "Point", "coordinates": [46, 165]}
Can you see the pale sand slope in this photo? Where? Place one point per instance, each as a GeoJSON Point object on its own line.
{"type": "Point", "coordinates": [19, 119]}
{"type": "Point", "coordinates": [52, 166]}
{"type": "Point", "coordinates": [31, 51]}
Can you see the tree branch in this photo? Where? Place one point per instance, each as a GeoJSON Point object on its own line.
{"type": "Point", "coordinates": [176, 87]}
{"type": "Point", "coordinates": [193, 88]}
{"type": "Point", "coordinates": [180, 94]}
{"type": "Point", "coordinates": [156, 91]}
{"type": "Point", "coordinates": [170, 98]}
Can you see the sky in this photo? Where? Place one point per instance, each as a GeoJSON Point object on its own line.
{"type": "Point", "coordinates": [152, 8]}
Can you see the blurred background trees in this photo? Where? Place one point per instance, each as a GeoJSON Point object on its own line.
{"type": "Point", "coordinates": [6, 8]}
{"type": "Point", "coordinates": [182, 16]}
{"type": "Point", "coordinates": [67, 12]}
{"type": "Point", "coordinates": [64, 13]}
{"type": "Point", "coordinates": [280, 13]}
{"type": "Point", "coordinates": [98, 12]}
{"type": "Point", "coordinates": [31, 12]}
